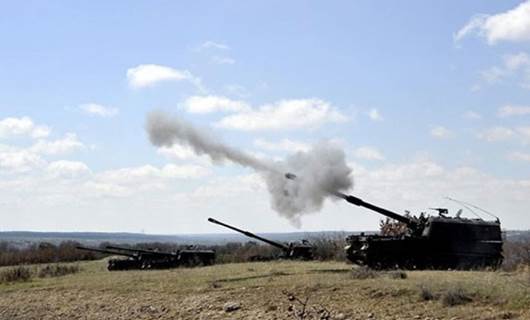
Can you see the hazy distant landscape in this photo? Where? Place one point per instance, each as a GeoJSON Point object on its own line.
{"type": "Point", "coordinates": [27, 237]}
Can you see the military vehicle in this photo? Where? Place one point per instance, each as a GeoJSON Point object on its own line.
{"type": "Point", "coordinates": [132, 262]}
{"type": "Point", "coordinates": [154, 259]}
{"type": "Point", "coordinates": [428, 242]}
{"type": "Point", "coordinates": [301, 250]}
{"type": "Point", "coordinates": [189, 257]}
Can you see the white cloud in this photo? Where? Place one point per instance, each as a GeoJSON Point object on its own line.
{"type": "Point", "coordinates": [513, 66]}
{"type": "Point", "coordinates": [18, 160]}
{"type": "Point", "coordinates": [472, 115]}
{"type": "Point", "coordinates": [512, 25]}
{"type": "Point", "coordinates": [516, 61]}
{"type": "Point", "coordinates": [223, 60]}
{"type": "Point", "coordinates": [184, 154]}
{"type": "Point", "coordinates": [368, 153]}
{"type": "Point", "coordinates": [375, 115]}
{"type": "Point", "coordinates": [423, 183]}
{"type": "Point", "coordinates": [22, 127]}
{"type": "Point", "coordinates": [207, 104]}
{"type": "Point", "coordinates": [224, 188]}
{"type": "Point", "coordinates": [519, 156]}
{"type": "Point", "coordinates": [184, 171]}
{"type": "Point", "coordinates": [283, 145]}
{"type": "Point", "coordinates": [509, 110]}
{"type": "Point", "coordinates": [441, 132]}
{"type": "Point", "coordinates": [496, 134]}
{"type": "Point", "coordinates": [493, 74]}
{"type": "Point", "coordinates": [147, 75]}
{"type": "Point", "coordinates": [524, 134]}
{"type": "Point", "coordinates": [213, 45]}
{"type": "Point", "coordinates": [65, 145]}
{"type": "Point", "coordinates": [237, 90]}
{"type": "Point", "coordinates": [177, 152]}
{"type": "Point", "coordinates": [141, 180]}
{"type": "Point", "coordinates": [99, 110]}
{"type": "Point", "coordinates": [148, 173]}
{"type": "Point", "coordinates": [284, 115]}
{"type": "Point", "coordinates": [67, 169]}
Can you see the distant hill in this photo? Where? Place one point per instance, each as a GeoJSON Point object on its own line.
{"type": "Point", "coordinates": [94, 238]}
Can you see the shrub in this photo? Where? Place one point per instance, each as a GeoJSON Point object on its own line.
{"type": "Point", "coordinates": [15, 274]}
{"type": "Point", "coordinates": [516, 254]}
{"type": "Point", "coordinates": [397, 274]}
{"type": "Point", "coordinates": [426, 294]}
{"type": "Point", "coordinates": [328, 248]}
{"type": "Point", "coordinates": [362, 273]}
{"type": "Point", "coordinates": [58, 270]}
{"type": "Point", "coordinates": [455, 296]}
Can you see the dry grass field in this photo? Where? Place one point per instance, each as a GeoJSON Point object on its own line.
{"type": "Point", "coordinates": [272, 290]}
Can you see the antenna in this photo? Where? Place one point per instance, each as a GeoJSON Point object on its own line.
{"type": "Point", "coordinates": [468, 205]}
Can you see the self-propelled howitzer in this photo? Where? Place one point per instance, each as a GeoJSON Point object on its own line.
{"type": "Point", "coordinates": [434, 242]}
{"type": "Point", "coordinates": [303, 250]}
{"type": "Point", "coordinates": [132, 262]}
{"type": "Point", "coordinates": [181, 258]}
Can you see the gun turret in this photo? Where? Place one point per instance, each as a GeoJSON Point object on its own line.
{"type": "Point", "coordinates": [251, 235]}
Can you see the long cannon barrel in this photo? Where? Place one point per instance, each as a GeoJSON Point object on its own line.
{"type": "Point", "coordinates": [118, 253]}
{"type": "Point", "coordinates": [151, 252]}
{"type": "Point", "coordinates": [359, 202]}
{"type": "Point", "coordinates": [250, 234]}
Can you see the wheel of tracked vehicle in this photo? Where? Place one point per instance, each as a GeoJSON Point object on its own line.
{"type": "Point", "coordinates": [111, 266]}
{"type": "Point", "coordinates": [146, 265]}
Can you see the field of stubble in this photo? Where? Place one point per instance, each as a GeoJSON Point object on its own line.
{"type": "Point", "coordinates": [271, 290]}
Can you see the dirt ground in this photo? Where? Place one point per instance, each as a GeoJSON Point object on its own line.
{"type": "Point", "coordinates": [271, 290]}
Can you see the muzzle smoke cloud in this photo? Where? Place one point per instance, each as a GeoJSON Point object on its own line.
{"type": "Point", "coordinates": [320, 171]}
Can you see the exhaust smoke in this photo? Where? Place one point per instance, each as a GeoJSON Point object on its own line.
{"type": "Point", "coordinates": [297, 185]}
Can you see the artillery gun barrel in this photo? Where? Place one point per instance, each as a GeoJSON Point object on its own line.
{"type": "Point", "coordinates": [118, 253]}
{"type": "Point", "coordinates": [359, 202]}
{"type": "Point", "coordinates": [152, 252]}
{"type": "Point", "coordinates": [250, 234]}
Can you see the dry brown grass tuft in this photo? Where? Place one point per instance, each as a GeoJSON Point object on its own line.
{"type": "Point", "coordinates": [15, 274]}
{"type": "Point", "coordinates": [58, 270]}
{"type": "Point", "coordinates": [363, 273]}
{"type": "Point", "coordinates": [455, 296]}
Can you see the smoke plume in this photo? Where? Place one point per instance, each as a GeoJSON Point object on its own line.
{"type": "Point", "coordinates": [320, 171]}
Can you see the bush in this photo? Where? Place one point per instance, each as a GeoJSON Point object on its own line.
{"type": "Point", "coordinates": [516, 254]}
{"type": "Point", "coordinates": [58, 270]}
{"type": "Point", "coordinates": [426, 294]}
{"type": "Point", "coordinates": [43, 252]}
{"type": "Point", "coordinates": [397, 274]}
{"type": "Point", "coordinates": [328, 248]}
{"type": "Point", "coordinates": [362, 273]}
{"type": "Point", "coordinates": [16, 274]}
{"type": "Point", "coordinates": [455, 296]}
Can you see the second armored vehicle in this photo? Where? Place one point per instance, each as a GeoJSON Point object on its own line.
{"type": "Point", "coordinates": [303, 250]}
{"type": "Point", "coordinates": [154, 259]}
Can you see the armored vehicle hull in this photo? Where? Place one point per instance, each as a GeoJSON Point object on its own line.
{"type": "Point", "coordinates": [301, 251]}
{"type": "Point", "coordinates": [428, 243]}
{"type": "Point", "coordinates": [478, 246]}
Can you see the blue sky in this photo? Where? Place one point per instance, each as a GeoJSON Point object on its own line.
{"type": "Point", "coordinates": [432, 100]}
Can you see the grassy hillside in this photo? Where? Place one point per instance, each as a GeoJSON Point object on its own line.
{"type": "Point", "coordinates": [273, 290]}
